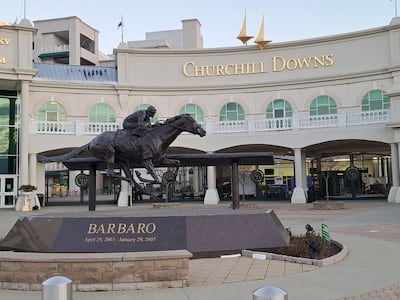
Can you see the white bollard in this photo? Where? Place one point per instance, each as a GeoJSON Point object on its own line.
{"type": "Point", "coordinates": [57, 288]}
{"type": "Point", "coordinates": [270, 293]}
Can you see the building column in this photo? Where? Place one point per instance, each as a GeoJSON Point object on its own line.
{"type": "Point", "coordinates": [32, 169]}
{"type": "Point", "coordinates": [196, 181]}
{"type": "Point", "coordinates": [299, 193]}
{"type": "Point", "coordinates": [304, 171]}
{"type": "Point", "coordinates": [385, 170]}
{"type": "Point", "coordinates": [123, 197]}
{"type": "Point", "coordinates": [211, 196]}
{"type": "Point", "coordinates": [394, 193]}
{"type": "Point", "coordinates": [24, 135]}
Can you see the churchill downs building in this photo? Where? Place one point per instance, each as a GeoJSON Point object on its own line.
{"type": "Point", "coordinates": [327, 108]}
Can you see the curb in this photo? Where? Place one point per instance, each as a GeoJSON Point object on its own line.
{"type": "Point", "coordinates": [300, 260]}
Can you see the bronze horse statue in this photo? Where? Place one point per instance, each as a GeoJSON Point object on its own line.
{"type": "Point", "coordinates": [124, 149]}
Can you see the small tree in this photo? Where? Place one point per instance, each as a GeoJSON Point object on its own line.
{"type": "Point", "coordinates": [329, 166]}
{"type": "Point", "coordinates": [27, 188]}
{"type": "Point", "coordinates": [243, 175]}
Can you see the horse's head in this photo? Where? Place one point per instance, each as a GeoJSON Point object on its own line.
{"type": "Point", "coordinates": [186, 123]}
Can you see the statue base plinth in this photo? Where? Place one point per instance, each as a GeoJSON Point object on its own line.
{"type": "Point", "coordinates": [196, 230]}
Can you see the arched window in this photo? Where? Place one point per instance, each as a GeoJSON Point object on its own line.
{"type": "Point", "coordinates": [145, 106]}
{"type": "Point", "coordinates": [323, 105]}
{"type": "Point", "coordinates": [52, 112]}
{"type": "Point", "coordinates": [375, 100]}
{"type": "Point", "coordinates": [102, 113]}
{"type": "Point", "coordinates": [279, 108]}
{"type": "Point", "coordinates": [231, 111]}
{"type": "Point", "coordinates": [194, 110]}
{"type": "Point", "coordinates": [279, 114]}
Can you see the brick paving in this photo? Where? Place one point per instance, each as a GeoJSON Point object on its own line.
{"type": "Point", "coordinates": [220, 271]}
{"type": "Point", "coordinates": [388, 293]}
{"type": "Point", "coordinates": [235, 269]}
{"type": "Point", "coordinates": [213, 274]}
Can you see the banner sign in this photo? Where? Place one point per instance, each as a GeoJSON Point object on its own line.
{"type": "Point", "coordinates": [325, 233]}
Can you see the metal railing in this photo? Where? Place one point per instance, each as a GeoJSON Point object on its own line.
{"type": "Point", "coordinates": [58, 48]}
{"type": "Point", "coordinates": [214, 126]}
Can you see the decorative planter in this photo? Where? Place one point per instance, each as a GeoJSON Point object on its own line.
{"type": "Point", "coordinates": [27, 201]}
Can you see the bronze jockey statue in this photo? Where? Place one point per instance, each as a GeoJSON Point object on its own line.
{"type": "Point", "coordinates": [140, 121]}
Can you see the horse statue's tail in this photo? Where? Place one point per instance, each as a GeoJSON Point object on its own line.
{"type": "Point", "coordinates": [64, 157]}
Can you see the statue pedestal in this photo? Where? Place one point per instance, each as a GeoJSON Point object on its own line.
{"type": "Point", "coordinates": [197, 230]}
{"type": "Point", "coordinates": [26, 201]}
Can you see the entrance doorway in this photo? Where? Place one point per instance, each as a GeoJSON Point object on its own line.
{"type": "Point", "coordinates": [8, 190]}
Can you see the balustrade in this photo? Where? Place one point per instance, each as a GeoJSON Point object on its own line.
{"type": "Point", "coordinates": [256, 123]}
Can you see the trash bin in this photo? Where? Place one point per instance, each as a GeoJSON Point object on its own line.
{"type": "Point", "coordinates": [41, 199]}
{"type": "Point", "coordinates": [57, 288]}
{"type": "Point", "coordinates": [311, 195]}
{"type": "Point", "coordinates": [270, 293]}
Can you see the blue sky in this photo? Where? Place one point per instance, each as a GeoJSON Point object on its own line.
{"type": "Point", "coordinates": [221, 20]}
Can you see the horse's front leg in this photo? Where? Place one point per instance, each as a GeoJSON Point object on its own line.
{"type": "Point", "coordinates": [148, 164]}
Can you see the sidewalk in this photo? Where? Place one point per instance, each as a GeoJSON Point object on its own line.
{"type": "Point", "coordinates": [370, 229]}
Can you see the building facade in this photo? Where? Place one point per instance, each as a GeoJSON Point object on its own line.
{"type": "Point", "coordinates": [329, 107]}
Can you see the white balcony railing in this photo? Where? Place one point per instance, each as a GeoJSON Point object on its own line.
{"type": "Point", "coordinates": [229, 126]}
{"type": "Point", "coordinates": [49, 127]}
{"type": "Point", "coordinates": [58, 48]}
{"type": "Point", "coordinates": [256, 123]}
{"type": "Point", "coordinates": [370, 117]}
{"type": "Point", "coordinates": [318, 121]}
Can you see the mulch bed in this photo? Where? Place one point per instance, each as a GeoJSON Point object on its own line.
{"type": "Point", "coordinates": [299, 246]}
{"type": "Point", "coordinates": [303, 246]}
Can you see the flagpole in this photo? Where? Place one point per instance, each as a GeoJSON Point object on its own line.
{"type": "Point", "coordinates": [121, 24]}
{"type": "Point", "coordinates": [122, 29]}
{"type": "Point", "coordinates": [395, 8]}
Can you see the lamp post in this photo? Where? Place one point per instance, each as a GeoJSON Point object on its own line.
{"type": "Point", "coordinates": [328, 168]}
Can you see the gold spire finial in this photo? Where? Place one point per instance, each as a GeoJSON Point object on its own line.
{"type": "Point", "coordinates": [260, 37]}
{"type": "Point", "coordinates": [243, 37]}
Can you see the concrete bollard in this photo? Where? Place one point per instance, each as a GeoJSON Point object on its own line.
{"type": "Point", "coordinates": [270, 293]}
{"type": "Point", "coordinates": [57, 288]}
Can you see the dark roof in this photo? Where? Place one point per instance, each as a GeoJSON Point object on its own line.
{"type": "Point", "coordinates": [71, 72]}
{"type": "Point", "coordinates": [207, 159]}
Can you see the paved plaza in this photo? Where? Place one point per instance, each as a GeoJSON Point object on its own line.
{"type": "Point", "coordinates": [369, 228]}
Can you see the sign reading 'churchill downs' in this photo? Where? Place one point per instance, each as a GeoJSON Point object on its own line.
{"type": "Point", "coordinates": [277, 64]}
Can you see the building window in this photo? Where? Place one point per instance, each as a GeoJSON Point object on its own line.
{"type": "Point", "coordinates": [279, 108]}
{"type": "Point", "coordinates": [231, 112]}
{"type": "Point", "coordinates": [375, 100]}
{"type": "Point", "coordinates": [53, 112]}
{"type": "Point", "coordinates": [323, 105]}
{"type": "Point", "coordinates": [144, 107]}
{"type": "Point", "coordinates": [9, 120]}
{"type": "Point", "coordinates": [279, 114]}
{"type": "Point", "coordinates": [102, 113]}
{"type": "Point", "coordinates": [194, 110]}
{"type": "Point", "coordinates": [87, 43]}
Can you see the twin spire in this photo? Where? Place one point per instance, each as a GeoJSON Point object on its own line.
{"type": "Point", "coordinates": [244, 38]}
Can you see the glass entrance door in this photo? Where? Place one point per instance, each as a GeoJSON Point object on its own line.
{"type": "Point", "coordinates": [8, 190]}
